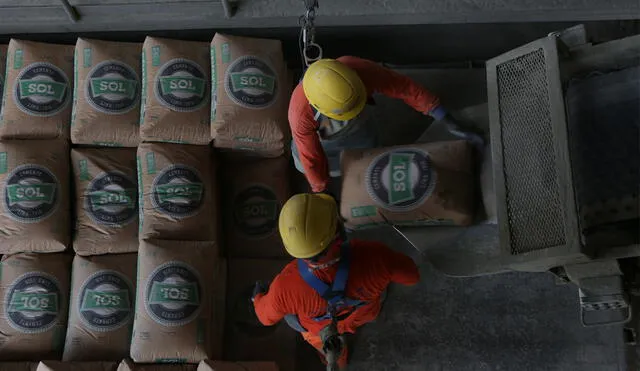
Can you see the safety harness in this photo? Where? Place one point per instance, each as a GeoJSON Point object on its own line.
{"type": "Point", "coordinates": [339, 305]}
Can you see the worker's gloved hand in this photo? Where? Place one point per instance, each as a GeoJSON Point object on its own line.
{"type": "Point", "coordinates": [259, 288]}
{"type": "Point", "coordinates": [456, 128]}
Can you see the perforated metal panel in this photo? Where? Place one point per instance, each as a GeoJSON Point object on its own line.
{"type": "Point", "coordinates": [535, 212]}
{"type": "Point", "coordinates": [532, 175]}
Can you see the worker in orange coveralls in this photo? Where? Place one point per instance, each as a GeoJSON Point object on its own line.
{"type": "Point", "coordinates": [332, 277]}
{"type": "Point", "coordinates": [332, 110]}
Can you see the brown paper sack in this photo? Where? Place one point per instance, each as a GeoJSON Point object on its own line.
{"type": "Point", "coordinates": [176, 101]}
{"type": "Point", "coordinates": [34, 187]}
{"type": "Point", "coordinates": [106, 109]}
{"type": "Point", "coordinates": [418, 184]}
{"type": "Point", "coordinates": [251, 94]}
{"type": "Point", "coordinates": [177, 192]}
{"type": "Point", "coordinates": [127, 365]}
{"type": "Point", "coordinates": [255, 190]}
{"type": "Point", "coordinates": [209, 365]}
{"type": "Point", "coordinates": [101, 308]}
{"type": "Point", "coordinates": [76, 366]}
{"type": "Point", "coordinates": [33, 316]}
{"type": "Point", "coordinates": [173, 304]}
{"type": "Point", "coordinates": [106, 200]}
{"type": "Point", "coordinates": [38, 90]}
{"type": "Point", "coordinates": [246, 339]}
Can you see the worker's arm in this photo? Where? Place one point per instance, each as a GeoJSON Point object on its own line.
{"type": "Point", "coordinates": [399, 267]}
{"type": "Point", "coordinates": [305, 136]}
{"type": "Point", "coordinates": [379, 79]}
{"type": "Point", "coordinates": [270, 307]}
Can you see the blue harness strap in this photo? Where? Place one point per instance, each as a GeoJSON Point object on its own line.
{"type": "Point", "coordinates": [334, 294]}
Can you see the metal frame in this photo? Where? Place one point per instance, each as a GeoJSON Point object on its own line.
{"type": "Point", "coordinates": [573, 250]}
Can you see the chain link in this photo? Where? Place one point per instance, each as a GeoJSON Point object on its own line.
{"type": "Point", "coordinates": [309, 50]}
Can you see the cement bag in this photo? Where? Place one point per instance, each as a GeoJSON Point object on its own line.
{"type": "Point", "coordinates": [246, 339]}
{"type": "Point", "coordinates": [173, 304]}
{"type": "Point", "coordinates": [106, 107]}
{"type": "Point", "coordinates": [106, 200]}
{"type": "Point", "coordinates": [34, 186]}
{"type": "Point", "coordinates": [209, 365]}
{"type": "Point", "coordinates": [255, 190]}
{"type": "Point", "coordinates": [418, 184]}
{"type": "Point", "coordinates": [18, 366]}
{"type": "Point", "coordinates": [251, 94]}
{"type": "Point", "coordinates": [37, 92]}
{"type": "Point", "coordinates": [251, 148]}
{"type": "Point", "coordinates": [101, 308]}
{"type": "Point", "coordinates": [76, 366]}
{"type": "Point", "coordinates": [34, 289]}
{"type": "Point", "coordinates": [175, 91]}
{"type": "Point", "coordinates": [3, 59]}
{"type": "Point", "coordinates": [127, 365]}
{"type": "Point", "coordinates": [177, 192]}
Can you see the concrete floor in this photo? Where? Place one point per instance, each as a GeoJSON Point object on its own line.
{"type": "Point", "coordinates": [509, 321]}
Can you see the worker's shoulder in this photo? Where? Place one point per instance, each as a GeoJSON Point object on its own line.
{"type": "Point", "coordinates": [289, 274]}
{"type": "Point", "coordinates": [368, 248]}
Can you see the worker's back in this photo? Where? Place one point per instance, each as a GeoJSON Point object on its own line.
{"type": "Point", "coordinates": [373, 266]}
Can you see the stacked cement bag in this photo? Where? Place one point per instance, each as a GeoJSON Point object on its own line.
{"type": "Point", "coordinates": [34, 289]}
{"type": "Point", "coordinates": [174, 298]}
{"type": "Point", "coordinates": [37, 94]}
{"type": "Point", "coordinates": [175, 91]}
{"type": "Point", "coordinates": [106, 93]}
{"type": "Point", "coordinates": [34, 192]}
{"type": "Point", "coordinates": [250, 95]}
{"type": "Point", "coordinates": [101, 307]}
{"type": "Point", "coordinates": [34, 184]}
{"type": "Point", "coordinates": [419, 184]}
{"type": "Point", "coordinates": [180, 282]}
{"type": "Point", "coordinates": [254, 192]}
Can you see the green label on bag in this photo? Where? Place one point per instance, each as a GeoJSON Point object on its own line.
{"type": "Point", "coordinates": [400, 178]}
{"type": "Point", "coordinates": [362, 211]}
{"type": "Point", "coordinates": [155, 55]}
{"type": "Point", "coordinates": [179, 84]}
{"type": "Point", "coordinates": [102, 86]}
{"type": "Point", "coordinates": [170, 192]}
{"type": "Point", "coordinates": [106, 199]}
{"type": "Point", "coordinates": [48, 89]}
{"type": "Point", "coordinates": [17, 59]}
{"type": "Point", "coordinates": [185, 293]}
{"type": "Point", "coordinates": [226, 53]}
{"type": "Point", "coordinates": [34, 302]}
{"type": "Point", "coordinates": [118, 300]}
{"type": "Point", "coordinates": [151, 163]}
{"type": "Point", "coordinates": [43, 193]}
{"type": "Point", "coordinates": [3, 162]}
{"type": "Point", "coordinates": [256, 81]}
{"type": "Point", "coordinates": [87, 57]}
{"type": "Point", "coordinates": [84, 170]}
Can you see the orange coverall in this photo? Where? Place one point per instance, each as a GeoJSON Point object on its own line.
{"type": "Point", "coordinates": [376, 79]}
{"type": "Point", "coordinates": [373, 267]}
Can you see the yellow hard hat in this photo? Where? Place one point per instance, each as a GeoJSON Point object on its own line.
{"type": "Point", "coordinates": [334, 89]}
{"type": "Point", "coordinates": [308, 223]}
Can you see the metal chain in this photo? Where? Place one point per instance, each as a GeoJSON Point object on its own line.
{"type": "Point", "coordinates": [309, 50]}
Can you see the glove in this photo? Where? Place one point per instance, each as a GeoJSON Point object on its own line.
{"type": "Point", "coordinates": [438, 113]}
{"type": "Point", "coordinates": [455, 128]}
{"type": "Point", "coordinates": [259, 288]}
